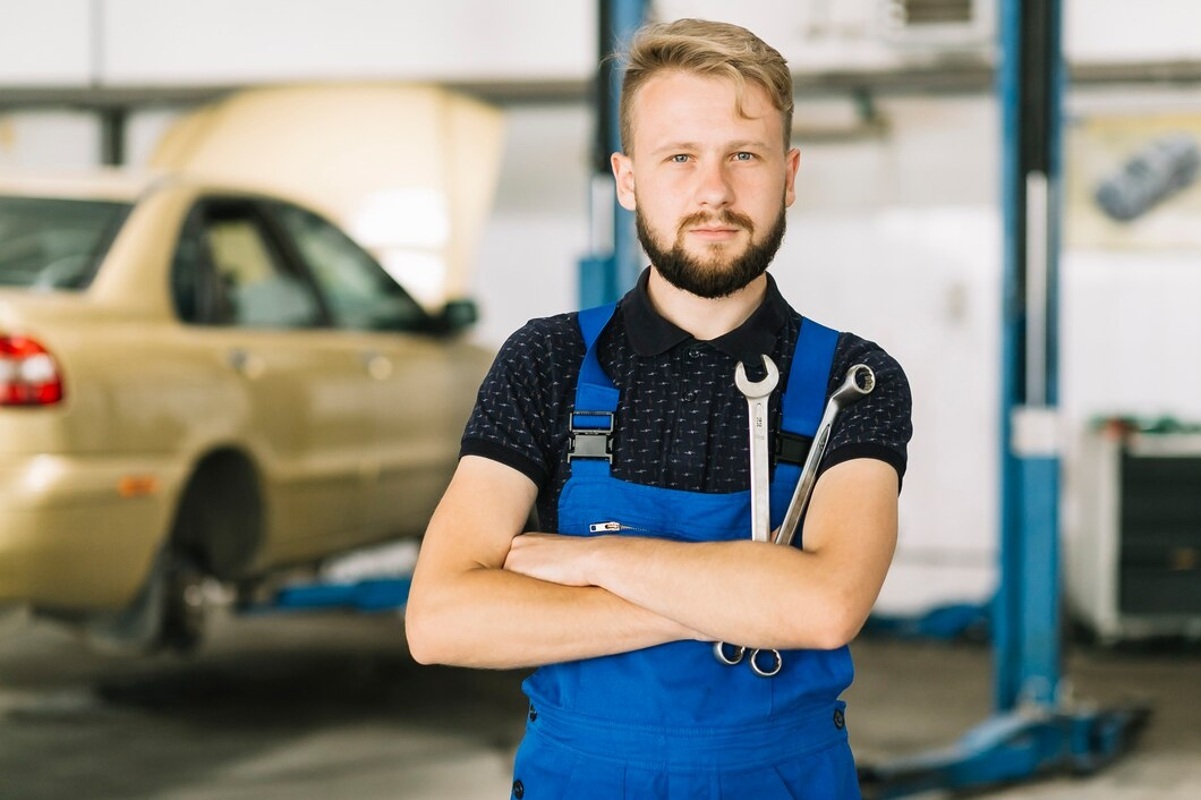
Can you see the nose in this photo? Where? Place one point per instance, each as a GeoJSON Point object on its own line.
{"type": "Point", "coordinates": [713, 185]}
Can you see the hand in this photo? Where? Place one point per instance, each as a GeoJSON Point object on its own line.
{"type": "Point", "coordinates": [569, 561]}
{"type": "Point", "coordinates": [553, 557]}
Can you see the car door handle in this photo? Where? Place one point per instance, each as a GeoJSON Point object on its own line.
{"type": "Point", "coordinates": [245, 363]}
{"type": "Point", "coordinates": [377, 365]}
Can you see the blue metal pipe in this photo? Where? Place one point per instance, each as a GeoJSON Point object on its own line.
{"type": "Point", "coordinates": [1030, 86]}
{"type": "Point", "coordinates": [613, 266]}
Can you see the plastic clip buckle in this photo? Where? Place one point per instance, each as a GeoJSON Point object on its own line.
{"type": "Point", "coordinates": [591, 442]}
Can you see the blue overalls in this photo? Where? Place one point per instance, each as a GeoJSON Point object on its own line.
{"type": "Point", "coordinates": [671, 721]}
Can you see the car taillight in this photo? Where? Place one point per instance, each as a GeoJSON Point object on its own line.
{"type": "Point", "coordinates": [29, 375]}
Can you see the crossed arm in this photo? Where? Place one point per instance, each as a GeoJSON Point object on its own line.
{"type": "Point", "coordinates": [485, 596]}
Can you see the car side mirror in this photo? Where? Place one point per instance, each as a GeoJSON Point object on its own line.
{"type": "Point", "coordinates": [457, 315]}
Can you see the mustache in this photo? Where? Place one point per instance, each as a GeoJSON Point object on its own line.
{"type": "Point", "coordinates": [725, 217]}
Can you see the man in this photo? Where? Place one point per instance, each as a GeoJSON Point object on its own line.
{"type": "Point", "coordinates": [624, 430]}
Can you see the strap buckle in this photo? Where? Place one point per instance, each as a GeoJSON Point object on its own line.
{"type": "Point", "coordinates": [792, 448]}
{"type": "Point", "coordinates": [589, 440]}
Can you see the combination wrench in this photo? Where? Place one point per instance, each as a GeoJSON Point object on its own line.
{"type": "Point", "coordinates": [763, 662]}
{"type": "Point", "coordinates": [757, 395]}
{"type": "Point", "coordinates": [859, 382]}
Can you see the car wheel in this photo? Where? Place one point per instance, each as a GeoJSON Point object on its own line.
{"type": "Point", "coordinates": [215, 533]}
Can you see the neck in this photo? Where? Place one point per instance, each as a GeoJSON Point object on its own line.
{"type": "Point", "coordinates": [702, 317]}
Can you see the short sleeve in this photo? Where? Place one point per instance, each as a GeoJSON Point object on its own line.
{"type": "Point", "coordinates": [880, 424]}
{"type": "Point", "coordinates": [521, 409]}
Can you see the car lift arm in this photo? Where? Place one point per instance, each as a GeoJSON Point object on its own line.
{"type": "Point", "coordinates": [1032, 730]}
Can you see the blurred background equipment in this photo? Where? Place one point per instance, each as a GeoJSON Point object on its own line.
{"type": "Point", "coordinates": [1134, 565]}
{"type": "Point", "coordinates": [1157, 171]}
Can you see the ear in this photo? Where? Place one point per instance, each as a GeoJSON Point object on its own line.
{"type": "Point", "coordinates": [792, 164]}
{"type": "Point", "coordinates": [623, 175]}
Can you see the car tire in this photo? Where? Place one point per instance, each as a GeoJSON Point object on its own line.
{"type": "Point", "coordinates": [214, 534]}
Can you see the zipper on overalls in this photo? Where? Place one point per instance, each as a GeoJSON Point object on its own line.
{"type": "Point", "coordinates": [613, 527]}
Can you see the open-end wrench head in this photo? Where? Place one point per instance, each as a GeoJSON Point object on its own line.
{"type": "Point", "coordinates": [758, 389]}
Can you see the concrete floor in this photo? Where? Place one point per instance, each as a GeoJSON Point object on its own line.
{"type": "Point", "coordinates": [331, 706]}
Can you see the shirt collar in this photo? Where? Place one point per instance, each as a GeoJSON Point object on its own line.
{"type": "Point", "coordinates": [652, 335]}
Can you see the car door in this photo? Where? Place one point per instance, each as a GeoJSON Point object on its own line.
{"type": "Point", "coordinates": [307, 405]}
{"type": "Point", "coordinates": [424, 383]}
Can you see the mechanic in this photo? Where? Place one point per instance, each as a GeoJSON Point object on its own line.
{"type": "Point", "coordinates": [623, 429]}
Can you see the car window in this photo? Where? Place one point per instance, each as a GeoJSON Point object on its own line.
{"type": "Point", "coordinates": [360, 294]}
{"type": "Point", "coordinates": [55, 243]}
{"type": "Point", "coordinates": [250, 284]}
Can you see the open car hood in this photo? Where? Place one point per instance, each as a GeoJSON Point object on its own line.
{"type": "Point", "coordinates": [409, 171]}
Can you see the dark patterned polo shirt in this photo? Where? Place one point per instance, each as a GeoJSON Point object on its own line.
{"type": "Point", "coordinates": [681, 422]}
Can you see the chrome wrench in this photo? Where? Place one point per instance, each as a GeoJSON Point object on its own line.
{"type": "Point", "coordinates": [859, 382]}
{"type": "Point", "coordinates": [757, 395]}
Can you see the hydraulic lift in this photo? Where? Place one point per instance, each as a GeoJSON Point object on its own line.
{"type": "Point", "coordinates": [372, 580]}
{"type": "Point", "coordinates": [1035, 728]}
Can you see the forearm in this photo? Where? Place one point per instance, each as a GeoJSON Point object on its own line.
{"type": "Point", "coordinates": [466, 609]}
{"type": "Point", "coordinates": [496, 619]}
{"type": "Point", "coordinates": [743, 592]}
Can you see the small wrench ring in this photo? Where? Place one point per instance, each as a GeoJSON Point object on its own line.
{"type": "Point", "coordinates": [731, 654]}
{"type": "Point", "coordinates": [721, 648]}
{"type": "Point", "coordinates": [863, 378]}
{"type": "Point", "coordinates": [774, 663]}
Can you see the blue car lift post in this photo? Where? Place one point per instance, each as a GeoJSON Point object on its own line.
{"type": "Point", "coordinates": [1033, 730]}
{"type": "Point", "coordinates": [611, 268]}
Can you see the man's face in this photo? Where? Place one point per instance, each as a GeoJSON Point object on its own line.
{"type": "Point", "coordinates": [708, 186]}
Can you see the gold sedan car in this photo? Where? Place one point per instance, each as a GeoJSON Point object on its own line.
{"type": "Point", "coordinates": [198, 382]}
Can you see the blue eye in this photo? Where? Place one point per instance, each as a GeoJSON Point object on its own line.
{"type": "Point", "coordinates": [679, 158]}
{"type": "Point", "coordinates": [744, 156]}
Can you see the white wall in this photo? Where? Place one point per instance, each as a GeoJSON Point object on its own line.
{"type": "Point", "coordinates": [153, 43]}
{"type": "Point", "coordinates": [49, 140]}
{"type": "Point", "coordinates": [46, 43]}
{"type": "Point", "coordinates": [539, 228]}
{"type": "Point", "coordinates": [1121, 30]}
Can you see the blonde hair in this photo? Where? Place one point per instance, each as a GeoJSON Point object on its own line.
{"type": "Point", "coordinates": [712, 49]}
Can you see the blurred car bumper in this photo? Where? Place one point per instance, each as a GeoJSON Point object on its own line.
{"type": "Point", "coordinates": [77, 533]}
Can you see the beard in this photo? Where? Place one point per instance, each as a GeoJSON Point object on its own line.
{"type": "Point", "coordinates": [713, 277]}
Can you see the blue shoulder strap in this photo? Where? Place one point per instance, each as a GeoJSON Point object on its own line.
{"type": "Point", "coordinates": [594, 393]}
{"type": "Point", "coordinates": [596, 397]}
{"type": "Point", "coordinates": [591, 447]}
{"type": "Point", "coordinates": [805, 395]}
{"type": "Point", "coordinates": [803, 405]}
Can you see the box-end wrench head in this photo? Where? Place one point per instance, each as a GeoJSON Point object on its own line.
{"type": "Point", "coordinates": [859, 382]}
{"type": "Point", "coordinates": [757, 395]}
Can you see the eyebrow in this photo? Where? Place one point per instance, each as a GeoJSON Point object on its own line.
{"type": "Point", "coordinates": [748, 144]}
{"type": "Point", "coordinates": [745, 144]}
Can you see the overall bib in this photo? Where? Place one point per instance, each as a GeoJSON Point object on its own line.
{"type": "Point", "coordinates": [671, 721]}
